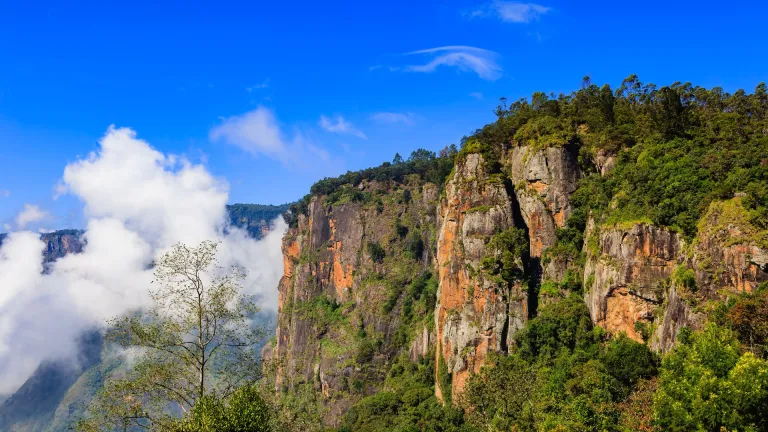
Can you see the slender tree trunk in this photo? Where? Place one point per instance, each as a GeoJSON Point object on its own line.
{"type": "Point", "coordinates": [200, 335]}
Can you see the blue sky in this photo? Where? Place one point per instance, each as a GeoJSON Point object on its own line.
{"type": "Point", "coordinates": [274, 96]}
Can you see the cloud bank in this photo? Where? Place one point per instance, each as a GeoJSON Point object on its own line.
{"type": "Point", "coordinates": [138, 202]}
{"type": "Point", "coordinates": [465, 58]}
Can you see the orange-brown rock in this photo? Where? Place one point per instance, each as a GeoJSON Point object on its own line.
{"type": "Point", "coordinates": [475, 314]}
{"type": "Point", "coordinates": [332, 294]}
{"type": "Point", "coordinates": [730, 252]}
{"type": "Point", "coordinates": [622, 275]}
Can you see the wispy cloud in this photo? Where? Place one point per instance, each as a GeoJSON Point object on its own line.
{"type": "Point", "coordinates": [264, 84]}
{"type": "Point", "coordinates": [379, 66]}
{"type": "Point", "coordinates": [510, 11]}
{"type": "Point", "coordinates": [476, 95]}
{"type": "Point", "coordinates": [340, 126]}
{"type": "Point", "coordinates": [5, 193]}
{"type": "Point", "coordinates": [259, 133]}
{"type": "Point", "coordinates": [30, 214]}
{"type": "Point", "coordinates": [393, 117]}
{"type": "Point", "coordinates": [466, 58]}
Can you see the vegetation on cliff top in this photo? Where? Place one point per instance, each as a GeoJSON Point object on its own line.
{"type": "Point", "coordinates": [427, 165]}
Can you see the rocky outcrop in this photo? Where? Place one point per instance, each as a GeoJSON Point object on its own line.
{"type": "Point", "coordinates": [60, 243]}
{"type": "Point", "coordinates": [641, 277]}
{"type": "Point", "coordinates": [544, 180]}
{"type": "Point", "coordinates": [256, 219]}
{"type": "Point", "coordinates": [730, 252]}
{"type": "Point", "coordinates": [623, 273]}
{"type": "Point", "coordinates": [348, 270]}
{"type": "Point", "coordinates": [475, 313]}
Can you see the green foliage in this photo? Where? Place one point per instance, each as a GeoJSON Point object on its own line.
{"type": "Point", "coordinates": [749, 319]}
{"type": "Point", "coordinates": [708, 385]}
{"type": "Point", "coordinates": [323, 310]}
{"type": "Point", "coordinates": [678, 148]}
{"type": "Point", "coordinates": [414, 246]}
{"type": "Point", "coordinates": [564, 324]}
{"type": "Point", "coordinates": [347, 193]}
{"type": "Point", "coordinates": [684, 277]}
{"type": "Point", "coordinates": [407, 403]}
{"type": "Point", "coordinates": [505, 253]}
{"type": "Point", "coordinates": [444, 379]}
{"type": "Point", "coordinates": [628, 361]}
{"type": "Point", "coordinates": [375, 251]}
{"type": "Point", "coordinates": [300, 207]}
{"type": "Point", "coordinates": [560, 375]}
{"type": "Point", "coordinates": [243, 411]}
{"type": "Point", "coordinates": [252, 217]}
{"type": "Point", "coordinates": [427, 165]}
{"type": "Point", "coordinates": [503, 396]}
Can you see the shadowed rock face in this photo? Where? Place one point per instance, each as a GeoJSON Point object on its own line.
{"type": "Point", "coordinates": [544, 181]}
{"type": "Point", "coordinates": [334, 293]}
{"type": "Point", "coordinates": [59, 243]}
{"type": "Point", "coordinates": [62, 242]}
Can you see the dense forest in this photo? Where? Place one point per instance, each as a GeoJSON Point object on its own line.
{"type": "Point", "coordinates": [674, 150]}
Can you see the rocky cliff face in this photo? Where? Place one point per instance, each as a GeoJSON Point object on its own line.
{"type": "Point", "coordinates": [544, 181]}
{"type": "Point", "coordinates": [475, 313]}
{"type": "Point", "coordinates": [351, 298]}
{"type": "Point", "coordinates": [639, 278]}
{"type": "Point", "coordinates": [624, 275]}
{"type": "Point", "coordinates": [348, 272]}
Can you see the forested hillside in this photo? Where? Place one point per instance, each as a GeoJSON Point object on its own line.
{"type": "Point", "coordinates": [589, 261]}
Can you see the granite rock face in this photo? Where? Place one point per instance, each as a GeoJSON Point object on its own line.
{"type": "Point", "coordinates": [624, 273]}
{"type": "Point", "coordinates": [639, 276]}
{"type": "Point", "coordinates": [475, 314]}
{"type": "Point", "coordinates": [544, 181]}
{"type": "Point", "coordinates": [729, 252]}
{"type": "Point", "coordinates": [346, 268]}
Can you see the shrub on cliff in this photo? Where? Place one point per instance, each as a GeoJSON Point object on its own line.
{"type": "Point", "coordinates": [707, 384]}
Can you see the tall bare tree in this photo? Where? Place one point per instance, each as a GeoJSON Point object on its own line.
{"type": "Point", "coordinates": [195, 340]}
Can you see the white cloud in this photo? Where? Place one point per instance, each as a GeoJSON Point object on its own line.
{"type": "Point", "coordinates": [259, 133]}
{"type": "Point", "coordinates": [476, 95]}
{"type": "Point", "coordinates": [510, 11]}
{"type": "Point", "coordinates": [393, 117]}
{"type": "Point", "coordinates": [340, 126]}
{"type": "Point", "coordinates": [138, 202]}
{"type": "Point", "coordinates": [478, 60]}
{"type": "Point", "coordinates": [30, 214]}
{"type": "Point", "coordinates": [264, 84]}
{"type": "Point", "coordinates": [256, 132]}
